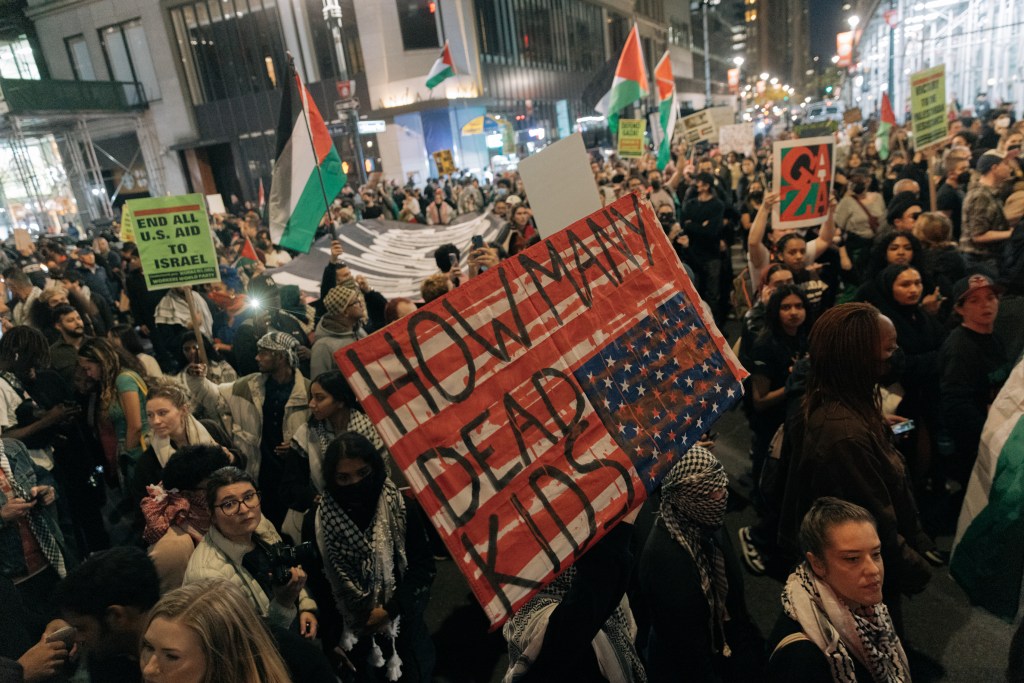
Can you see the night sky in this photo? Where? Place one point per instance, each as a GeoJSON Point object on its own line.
{"type": "Point", "coordinates": [825, 20]}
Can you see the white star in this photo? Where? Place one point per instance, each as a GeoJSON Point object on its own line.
{"type": "Point", "coordinates": [638, 450]}
{"type": "Point", "coordinates": [689, 382]}
{"type": "Point", "coordinates": [704, 366]}
{"type": "Point", "coordinates": [649, 334]}
{"type": "Point", "coordinates": [625, 386]}
{"type": "Point", "coordinates": [647, 353]}
{"type": "Point", "coordinates": [693, 327]}
{"type": "Point", "coordinates": [607, 404]}
{"type": "Point", "coordinates": [590, 376]}
{"type": "Point", "coordinates": [731, 393]}
{"type": "Point", "coordinates": [660, 355]}
{"type": "Point", "coordinates": [622, 429]}
{"type": "Point", "coordinates": [659, 374]}
{"type": "Point", "coordinates": [640, 389]}
{"type": "Point", "coordinates": [609, 361]}
{"type": "Point", "coordinates": [608, 383]}
{"type": "Point", "coordinates": [714, 407]}
{"type": "Point", "coordinates": [718, 388]}
{"type": "Point", "coordinates": [657, 434]}
{"type": "Point", "coordinates": [700, 422]}
{"type": "Point", "coordinates": [628, 367]}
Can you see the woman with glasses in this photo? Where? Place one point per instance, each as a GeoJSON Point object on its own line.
{"type": "Point", "coordinates": [239, 547]}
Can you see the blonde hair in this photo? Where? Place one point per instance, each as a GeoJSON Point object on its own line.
{"type": "Point", "coordinates": [933, 228]}
{"type": "Point", "coordinates": [235, 642]}
{"type": "Point", "coordinates": [52, 292]}
{"type": "Point", "coordinates": [169, 390]}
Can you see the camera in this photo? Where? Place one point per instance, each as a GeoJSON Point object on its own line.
{"type": "Point", "coordinates": [283, 557]}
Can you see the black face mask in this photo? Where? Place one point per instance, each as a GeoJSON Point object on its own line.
{"type": "Point", "coordinates": [898, 168]}
{"type": "Point", "coordinates": [858, 188]}
{"type": "Point", "coordinates": [963, 179]}
{"type": "Point", "coordinates": [756, 196]}
{"type": "Point", "coordinates": [362, 495]}
{"type": "Point", "coordinates": [665, 218]}
{"type": "Point", "coordinates": [656, 185]}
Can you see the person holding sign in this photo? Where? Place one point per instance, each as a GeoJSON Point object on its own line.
{"type": "Point", "coordinates": [378, 562]}
{"type": "Point", "coordinates": [579, 627]}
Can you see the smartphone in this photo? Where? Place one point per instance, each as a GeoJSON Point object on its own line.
{"type": "Point", "coordinates": [903, 427]}
{"type": "Point", "coordinates": [478, 241]}
{"type": "Point", "coordinates": [67, 635]}
{"type": "Point", "coordinates": [454, 260]}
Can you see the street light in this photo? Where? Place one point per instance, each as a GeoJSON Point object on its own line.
{"type": "Point", "coordinates": [835, 59]}
{"type": "Point", "coordinates": [707, 51]}
{"type": "Point", "coordinates": [764, 75]}
{"type": "Point", "coordinates": [853, 21]}
{"type": "Point", "coordinates": [738, 61]}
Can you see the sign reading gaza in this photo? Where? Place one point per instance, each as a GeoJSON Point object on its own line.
{"type": "Point", "coordinates": [533, 406]}
{"type": "Point", "coordinates": [175, 244]}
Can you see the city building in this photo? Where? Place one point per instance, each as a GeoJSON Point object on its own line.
{"type": "Point", "coordinates": [128, 98]}
{"type": "Point", "coordinates": [778, 38]}
{"type": "Point", "coordinates": [978, 41]}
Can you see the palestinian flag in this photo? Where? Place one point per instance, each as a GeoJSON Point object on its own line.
{"type": "Point", "coordinates": [444, 68]}
{"type": "Point", "coordinates": [667, 111]}
{"type": "Point", "coordinates": [629, 84]}
{"type": "Point", "coordinates": [307, 169]}
{"type": "Point", "coordinates": [988, 555]}
{"type": "Point", "coordinates": [885, 127]}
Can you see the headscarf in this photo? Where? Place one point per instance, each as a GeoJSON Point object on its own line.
{"type": "Point", "coordinates": [361, 533]}
{"type": "Point", "coordinates": [280, 341]}
{"type": "Point", "coordinates": [841, 633]}
{"type": "Point", "coordinates": [690, 515]}
{"type": "Point", "coordinates": [340, 298]}
{"type": "Point", "coordinates": [184, 509]}
{"type": "Point", "coordinates": [613, 645]}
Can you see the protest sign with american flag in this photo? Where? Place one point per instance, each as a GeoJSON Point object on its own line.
{"type": "Point", "coordinates": [536, 404]}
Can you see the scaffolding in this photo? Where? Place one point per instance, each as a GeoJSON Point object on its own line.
{"type": "Point", "coordinates": [979, 41]}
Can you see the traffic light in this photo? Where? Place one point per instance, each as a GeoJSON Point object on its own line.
{"type": "Point", "coordinates": [828, 89]}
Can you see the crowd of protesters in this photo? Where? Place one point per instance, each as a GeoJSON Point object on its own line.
{"type": "Point", "coordinates": [198, 496]}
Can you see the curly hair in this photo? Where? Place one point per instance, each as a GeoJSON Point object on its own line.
{"type": "Point", "coordinates": [25, 347]}
{"type": "Point", "coordinates": [112, 361]}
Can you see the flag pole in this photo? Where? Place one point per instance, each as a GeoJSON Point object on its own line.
{"type": "Point", "coordinates": [309, 133]}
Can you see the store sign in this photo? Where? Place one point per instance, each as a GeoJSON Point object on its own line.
{"type": "Point", "coordinates": [844, 48]}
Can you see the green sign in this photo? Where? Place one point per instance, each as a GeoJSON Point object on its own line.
{"type": "Point", "coordinates": [631, 137]}
{"type": "Point", "coordinates": [928, 106]}
{"type": "Point", "coordinates": [174, 240]}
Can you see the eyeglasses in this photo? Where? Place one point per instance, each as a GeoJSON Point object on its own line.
{"type": "Point", "coordinates": [251, 500]}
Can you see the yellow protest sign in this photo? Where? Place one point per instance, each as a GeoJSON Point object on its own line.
{"type": "Point", "coordinates": [928, 106]}
{"type": "Point", "coordinates": [444, 161]}
{"type": "Point", "coordinates": [127, 224]}
{"type": "Point", "coordinates": [631, 137]}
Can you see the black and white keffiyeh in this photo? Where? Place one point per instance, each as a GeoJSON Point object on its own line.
{"type": "Point", "coordinates": [366, 564]}
{"type": "Point", "coordinates": [691, 515]}
{"type": "Point", "coordinates": [280, 341]}
{"type": "Point", "coordinates": [613, 644]}
{"type": "Point", "coordinates": [36, 519]}
{"type": "Point", "coordinates": [843, 634]}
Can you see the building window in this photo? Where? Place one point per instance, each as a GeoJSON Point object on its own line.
{"type": "Point", "coordinates": [128, 58]}
{"type": "Point", "coordinates": [561, 36]}
{"type": "Point", "coordinates": [17, 60]}
{"type": "Point", "coordinates": [78, 55]}
{"type": "Point", "coordinates": [229, 48]}
{"type": "Point", "coordinates": [418, 21]}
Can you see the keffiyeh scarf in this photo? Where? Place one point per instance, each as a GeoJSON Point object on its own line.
{"type": "Point", "coordinates": [184, 509]}
{"type": "Point", "coordinates": [37, 522]}
{"type": "Point", "coordinates": [842, 633]}
{"type": "Point", "coordinates": [280, 341]}
{"type": "Point", "coordinates": [613, 644]}
{"type": "Point", "coordinates": [691, 515]}
{"type": "Point", "coordinates": [367, 564]}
